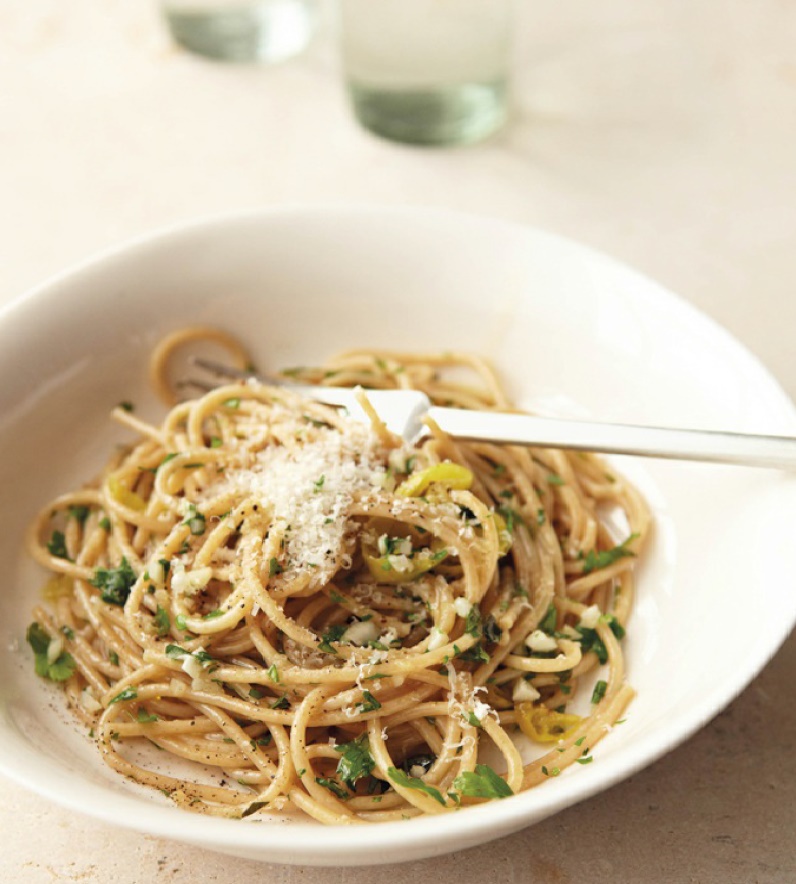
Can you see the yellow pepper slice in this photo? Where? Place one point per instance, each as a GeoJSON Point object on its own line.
{"type": "Point", "coordinates": [543, 725]}
{"type": "Point", "coordinates": [403, 569]}
{"type": "Point", "coordinates": [57, 587]}
{"type": "Point", "coordinates": [123, 495]}
{"type": "Point", "coordinates": [504, 535]}
{"type": "Point", "coordinates": [451, 475]}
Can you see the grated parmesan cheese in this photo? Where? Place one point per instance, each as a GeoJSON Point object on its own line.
{"type": "Point", "coordinates": [309, 485]}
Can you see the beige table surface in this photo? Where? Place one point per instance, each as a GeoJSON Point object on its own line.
{"type": "Point", "coordinates": [662, 132]}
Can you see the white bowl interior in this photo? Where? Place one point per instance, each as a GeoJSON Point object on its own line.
{"type": "Point", "coordinates": [569, 330]}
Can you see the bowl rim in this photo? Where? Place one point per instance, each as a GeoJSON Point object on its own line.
{"type": "Point", "coordinates": [480, 822]}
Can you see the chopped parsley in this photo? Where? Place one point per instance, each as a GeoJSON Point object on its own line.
{"type": "Point", "coordinates": [594, 560]}
{"type": "Point", "coordinates": [273, 673]}
{"type": "Point", "coordinates": [472, 623]}
{"type": "Point", "coordinates": [550, 619]}
{"type": "Point", "coordinates": [162, 621]}
{"type": "Point", "coordinates": [333, 787]}
{"type": "Point", "coordinates": [195, 521]}
{"type": "Point", "coordinates": [115, 583]}
{"type": "Point", "coordinates": [475, 654]}
{"type": "Point", "coordinates": [56, 545]}
{"type": "Point", "coordinates": [409, 782]}
{"type": "Point", "coordinates": [333, 633]}
{"type": "Point", "coordinates": [62, 668]}
{"type": "Point", "coordinates": [356, 761]}
{"type": "Point", "coordinates": [599, 691]}
{"type": "Point", "coordinates": [79, 512]}
{"type": "Point", "coordinates": [492, 632]}
{"type": "Point", "coordinates": [129, 693]}
{"type": "Point", "coordinates": [482, 783]}
{"type": "Point", "coordinates": [591, 641]}
{"type": "Point", "coordinates": [274, 567]}
{"type": "Point", "coordinates": [369, 703]}
{"type": "Point", "coordinates": [472, 718]}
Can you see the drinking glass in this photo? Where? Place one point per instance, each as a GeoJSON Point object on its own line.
{"type": "Point", "coordinates": [427, 71]}
{"type": "Point", "coordinates": [241, 30]}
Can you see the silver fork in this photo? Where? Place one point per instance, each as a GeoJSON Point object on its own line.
{"type": "Point", "coordinates": [405, 411]}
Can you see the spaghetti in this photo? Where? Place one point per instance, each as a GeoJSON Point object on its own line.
{"type": "Point", "coordinates": [319, 617]}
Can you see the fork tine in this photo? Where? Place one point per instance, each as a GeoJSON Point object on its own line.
{"type": "Point", "coordinates": [401, 410]}
{"type": "Point", "coordinates": [221, 370]}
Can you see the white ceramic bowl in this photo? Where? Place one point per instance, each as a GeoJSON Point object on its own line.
{"type": "Point", "coordinates": [570, 330]}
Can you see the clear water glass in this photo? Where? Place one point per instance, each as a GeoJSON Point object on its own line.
{"type": "Point", "coordinates": [266, 31]}
{"type": "Point", "coordinates": [427, 71]}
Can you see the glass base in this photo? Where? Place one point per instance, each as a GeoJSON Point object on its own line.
{"type": "Point", "coordinates": [258, 31]}
{"type": "Point", "coordinates": [456, 115]}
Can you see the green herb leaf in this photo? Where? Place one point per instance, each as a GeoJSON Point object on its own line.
{"type": "Point", "coordinates": [274, 567]}
{"type": "Point", "coordinates": [115, 583]}
{"type": "Point", "coordinates": [145, 717]}
{"type": "Point", "coordinates": [472, 718]}
{"type": "Point", "coordinates": [369, 704]}
{"type": "Point", "coordinates": [175, 652]}
{"type": "Point", "coordinates": [492, 632]}
{"type": "Point", "coordinates": [482, 783]}
{"type": "Point", "coordinates": [599, 691]}
{"type": "Point", "coordinates": [162, 621]}
{"type": "Point", "coordinates": [333, 633]}
{"type": "Point", "coordinates": [281, 703]}
{"type": "Point", "coordinates": [273, 673]}
{"type": "Point", "coordinates": [614, 625]}
{"type": "Point", "coordinates": [56, 545]}
{"type": "Point", "coordinates": [62, 668]}
{"type": "Point", "coordinates": [594, 560]}
{"type": "Point", "coordinates": [472, 623]}
{"type": "Point", "coordinates": [409, 782]}
{"type": "Point", "coordinates": [550, 619]}
{"type": "Point", "coordinates": [129, 693]}
{"type": "Point", "coordinates": [79, 512]}
{"type": "Point", "coordinates": [475, 654]}
{"type": "Point", "coordinates": [333, 787]}
{"type": "Point", "coordinates": [591, 641]}
{"type": "Point", "coordinates": [356, 761]}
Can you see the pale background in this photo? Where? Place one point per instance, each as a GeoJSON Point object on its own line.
{"type": "Point", "coordinates": [663, 133]}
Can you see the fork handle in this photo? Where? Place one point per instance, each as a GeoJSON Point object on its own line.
{"type": "Point", "coordinates": [778, 452]}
